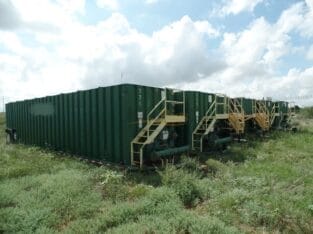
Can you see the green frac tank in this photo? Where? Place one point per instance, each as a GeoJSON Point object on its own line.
{"type": "Point", "coordinates": [247, 104]}
{"type": "Point", "coordinates": [283, 107]}
{"type": "Point", "coordinates": [282, 110]}
{"type": "Point", "coordinates": [136, 125]}
{"type": "Point", "coordinates": [269, 105]}
{"type": "Point", "coordinates": [197, 103]}
{"type": "Point", "coordinates": [97, 124]}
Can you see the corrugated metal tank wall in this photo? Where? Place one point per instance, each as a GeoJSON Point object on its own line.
{"type": "Point", "coordinates": [283, 111]}
{"type": "Point", "coordinates": [97, 124]}
{"type": "Point", "coordinates": [247, 104]}
{"type": "Point", "coordinates": [269, 105]}
{"type": "Point", "coordinates": [100, 123]}
{"type": "Point", "coordinates": [283, 107]}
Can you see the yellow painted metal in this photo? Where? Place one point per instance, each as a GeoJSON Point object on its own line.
{"type": "Point", "coordinates": [223, 108]}
{"type": "Point", "coordinates": [205, 126]}
{"type": "Point", "coordinates": [236, 116]}
{"type": "Point", "coordinates": [262, 117]}
{"type": "Point", "coordinates": [274, 113]}
{"type": "Point", "coordinates": [157, 119]}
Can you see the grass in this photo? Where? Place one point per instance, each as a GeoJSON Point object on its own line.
{"type": "Point", "coordinates": [304, 119]}
{"type": "Point", "coordinates": [256, 187]}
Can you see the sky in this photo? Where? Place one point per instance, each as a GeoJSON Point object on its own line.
{"type": "Point", "coordinates": [243, 48]}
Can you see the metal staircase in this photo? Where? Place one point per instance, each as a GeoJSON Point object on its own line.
{"type": "Point", "coordinates": [222, 108]}
{"type": "Point", "coordinates": [262, 116]}
{"type": "Point", "coordinates": [163, 113]}
{"type": "Point", "coordinates": [205, 126]}
{"type": "Point", "coordinates": [236, 116]}
{"type": "Point", "coordinates": [274, 113]}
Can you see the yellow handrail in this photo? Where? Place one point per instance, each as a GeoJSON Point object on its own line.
{"type": "Point", "coordinates": [158, 116]}
{"type": "Point", "coordinates": [210, 108]}
{"type": "Point", "coordinates": [155, 107]}
{"type": "Point", "coordinates": [175, 102]}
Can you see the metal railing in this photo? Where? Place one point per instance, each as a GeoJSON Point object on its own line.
{"type": "Point", "coordinates": [224, 104]}
{"type": "Point", "coordinates": [163, 108]}
{"type": "Point", "coordinates": [212, 109]}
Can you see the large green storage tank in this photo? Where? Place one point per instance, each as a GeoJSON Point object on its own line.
{"type": "Point", "coordinates": [248, 106]}
{"type": "Point", "coordinates": [97, 124]}
{"type": "Point", "coordinates": [269, 105]}
{"type": "Point", "coordinates": [197, 104]}
{"type": "Point", "coordinates": [283, 107]}
{"type": "Point", "coordinates": [283, 110]}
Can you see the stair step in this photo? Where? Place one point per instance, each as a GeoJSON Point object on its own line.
{"type": "Point", "coordinates": [201, 130]}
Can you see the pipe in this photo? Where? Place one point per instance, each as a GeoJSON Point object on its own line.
{"type": "Point", "coordinates": [223, 140]}
{"type": "Point", "coordinates": [171, 151]}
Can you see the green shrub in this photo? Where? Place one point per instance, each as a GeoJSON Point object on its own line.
{"type": "Point", "coordinates": [310, 207]}
{"type": "Point", "coordinates": [160, 202]}
{"type": "Point", "coordinates": [182, 222]}
{"type": "Point", "coordinates": [183, 183]}
{"type": "Point", "coordinates": [189, 164]}
{"type": "Point", "coordinates": [113, 185]}
{"type": "Point", "coordinates": [214, 167]}
{"type": "Point", "coordinates": [137, 191]}
{"type": "Point", "coordinates": [46, 201]}
{"type": "Point", "coordinates": [2, 119]}
{"type": "Point", "coordinates": [42, 192]}
{"type": "Point", "coordinates": [307, 112]}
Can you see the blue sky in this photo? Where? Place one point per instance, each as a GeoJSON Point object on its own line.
{"type": "Point", "coordinates": [150, 17]}
{"type": "Point", "coordinates": [255, 48]}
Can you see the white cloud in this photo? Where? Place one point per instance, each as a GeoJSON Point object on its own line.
{"type": "Point", "coordinates": [39, 15]}
{"type": "Point", "coordinates": [254, 55]}
{"type": "Point", "coordinates": [109, 4]}
{"type": "Point", "coordinates": [237, 6]}
{"type": "Point", "coordinates": [78, 56]}
{"type": "Point", "coordinates": [305, 27]}
{"type": "Point", "coordinates": [256, 51]}
{"type": "Point", "coordinates": [309, 4]}
{"type": "Point", "coordinates": [152, 60]}
{"type": "Point", "coordinates": [293, 86]}
{"type": "Point", "coordinates": [85, 56]}
{"type": "Point", "coordinates": [9, 18]}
